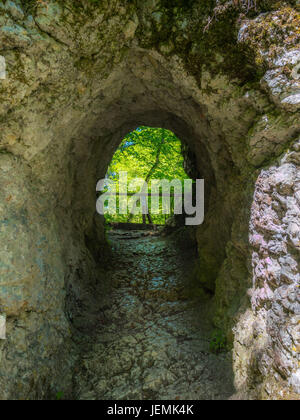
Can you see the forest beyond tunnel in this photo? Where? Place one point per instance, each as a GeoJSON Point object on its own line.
{"type": "Point", "coordinates": [149, 159]}
{"type": "Point", "coordinates": [78, 80]}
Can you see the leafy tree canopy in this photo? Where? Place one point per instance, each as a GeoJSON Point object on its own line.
{"type": "Point", "coordinates": [147, 153]}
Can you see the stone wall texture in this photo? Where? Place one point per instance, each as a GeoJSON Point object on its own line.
{"type": "Point", "coordinates": [78, 75]}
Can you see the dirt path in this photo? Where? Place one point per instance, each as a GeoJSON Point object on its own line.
{"type": "Point", "coordinates": [154, 341]}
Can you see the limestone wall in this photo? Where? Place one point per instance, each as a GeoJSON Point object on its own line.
{"type": "Point", "coordinates": [80, 75]}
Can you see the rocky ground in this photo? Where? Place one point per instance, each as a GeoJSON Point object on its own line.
{"type": "Point", "coordinates": [153, 341]}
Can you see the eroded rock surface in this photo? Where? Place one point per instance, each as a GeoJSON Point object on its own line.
{"type": "Point", "coordinates": [79, 75]}
{"type": "Point", "coordinates": [153, 339]}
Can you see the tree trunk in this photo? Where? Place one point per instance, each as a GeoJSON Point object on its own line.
{"type": "Point", "coordinates": [148, 177]}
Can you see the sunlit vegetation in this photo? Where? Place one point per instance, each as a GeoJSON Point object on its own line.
{"type": "Point", "coordinates": [148, 154]}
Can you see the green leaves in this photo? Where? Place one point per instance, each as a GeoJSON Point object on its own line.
{"type": "Point", "coordinates": [59, 396]}
{"type": "Point", "coordinates": [218, 342]}
{"type": "Point", "coordinates": [148, 153]}
{"type": "Point", "coordinates": [138, 151]}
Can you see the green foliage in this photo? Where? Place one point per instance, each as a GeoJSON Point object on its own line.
{"type": "Point", "coordinates": [218, 342]}
{"type": "Point", "coordinates": [147, 153]}
{"type": "Point", "coordinates": [59, 396]}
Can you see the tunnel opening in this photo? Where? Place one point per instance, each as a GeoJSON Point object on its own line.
{"type": "Point", "coordinates": [151, 160]}
{"type": "Point", "coordinates": [152, 278]}
{"type": "Point", "coordinates": [192, 162]}
{"type": "Point", "coordinates": [154, 333]}
{"type": "Point", "coordinates": [87, 289]}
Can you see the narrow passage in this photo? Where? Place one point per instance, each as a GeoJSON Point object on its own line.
{"type": "Point", "coordinates": [153, 340]}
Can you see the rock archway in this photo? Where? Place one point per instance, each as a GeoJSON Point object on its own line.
{"type": "Point", "coordinates": [78, 77]}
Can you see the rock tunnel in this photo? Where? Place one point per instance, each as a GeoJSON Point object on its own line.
{"type": "Point", "coordinates": [79, 76]}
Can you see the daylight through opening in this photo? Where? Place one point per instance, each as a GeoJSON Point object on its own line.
{"type": "Point", "coordinates": [148, 160]}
